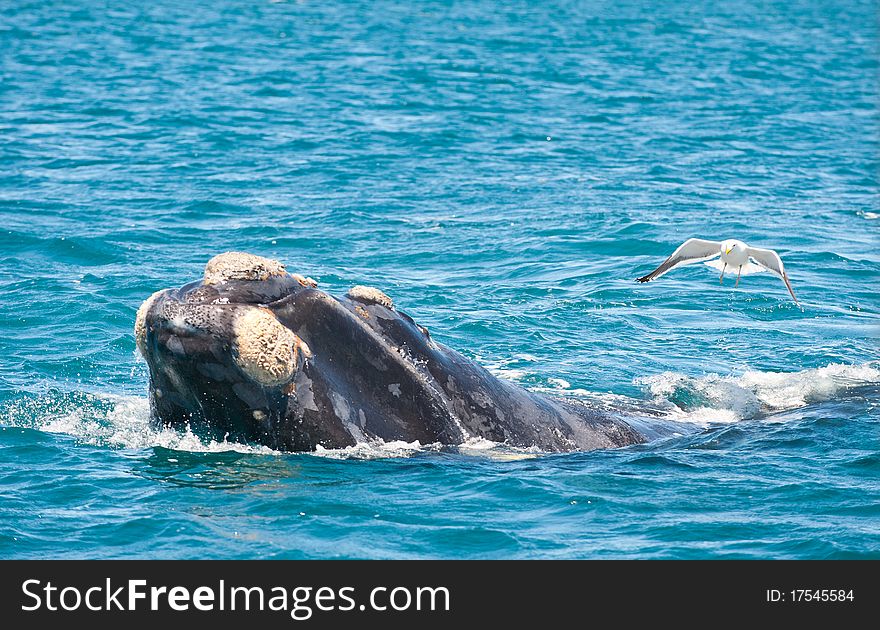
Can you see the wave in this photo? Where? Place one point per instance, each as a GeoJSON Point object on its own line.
{"type": "Point", "coordinates": [111, 420]}
{"type": "Point", "coordinates": [723, 399]}
{"type": "Point", "coordinates": [378, 449]}
{"type": "Point", "coordinates": [123, 421]}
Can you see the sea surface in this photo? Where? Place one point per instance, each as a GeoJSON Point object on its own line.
{"type": "Point", "coordinates": [503, 170]}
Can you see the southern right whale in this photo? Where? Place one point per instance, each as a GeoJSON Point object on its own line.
{"type": "Point", "coordinates": [253, 353]}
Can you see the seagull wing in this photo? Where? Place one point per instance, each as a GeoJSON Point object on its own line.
{"type": "Point", "coordinates": [691, 251]}
{"type": "Point", "coordinates": [771, 261]}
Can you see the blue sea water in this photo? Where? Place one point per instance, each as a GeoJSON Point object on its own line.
{"type": "Point", "coordinates": [503, 170]}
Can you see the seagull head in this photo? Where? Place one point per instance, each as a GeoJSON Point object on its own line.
{"type": "Point", "coordinates": [731, 246]}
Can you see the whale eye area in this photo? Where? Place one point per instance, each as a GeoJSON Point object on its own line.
{"type": "Point", "coordinates": [206, 317]}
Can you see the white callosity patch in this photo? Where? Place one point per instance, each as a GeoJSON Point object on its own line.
{"type": "Point", "coordinates": [370, 294]}
{"type": "Point", "coordinates": [265, 349]}
{"type": "Point", "coordinates": [140, 322]}
{"type": "Point", "coordinates": [715, 398]}
{"type": "Point", "coordinates": [241, 266]}
{"type": "Point", "coordinates": [306, 282]}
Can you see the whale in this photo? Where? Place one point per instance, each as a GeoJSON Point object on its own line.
{"type": "Point", "coordinates": [253, 353]}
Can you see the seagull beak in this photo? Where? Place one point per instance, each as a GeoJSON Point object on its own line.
{"type": "Point", "coordinates": [727, 251]}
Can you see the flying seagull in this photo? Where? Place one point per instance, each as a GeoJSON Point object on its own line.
{"type": "Point", "coordinates": [734, 254]}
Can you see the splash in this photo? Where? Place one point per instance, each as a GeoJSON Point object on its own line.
{"type": "Point", "coordinates": [481, 447]}
{"type": "Point", "coordinates": [718, 399]}
{"type": "Point", "coordinates": [110, 420]}
{"type": "Point", "coordinates": [475, 447]}
{"type": "Point", "coordinates": [123, 422]}
{"type": "Point", "coordinates": [375, 449]}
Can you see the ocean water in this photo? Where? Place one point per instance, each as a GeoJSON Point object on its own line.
{"type": "Point", "coordinates": [504, 171]}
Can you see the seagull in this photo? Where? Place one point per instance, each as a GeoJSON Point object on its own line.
{"type": "Point", "coordinates": [734, 254]}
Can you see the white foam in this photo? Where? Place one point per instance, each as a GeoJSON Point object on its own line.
{"type": "Point", "coordinates": [715, 398]}
{"type": "Point", "coordinates": [478, 444]}
{"type": "Point", "coordinates": [374, 449]}
{"type": "Point", "coordinates": [481, 447]}
{"type": "Point", "coordinates": [559, 382]}
{"type": "Point", "coordinates": [378, 449]}
{"type": "Point", "coordinates": [118, 421]}
{"type": "Point", "coordinates": [508, 374]}
{"type": "Point", "coordinates": [703, 416]}
{"type": "Point", "coordinates": [502, 369]}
